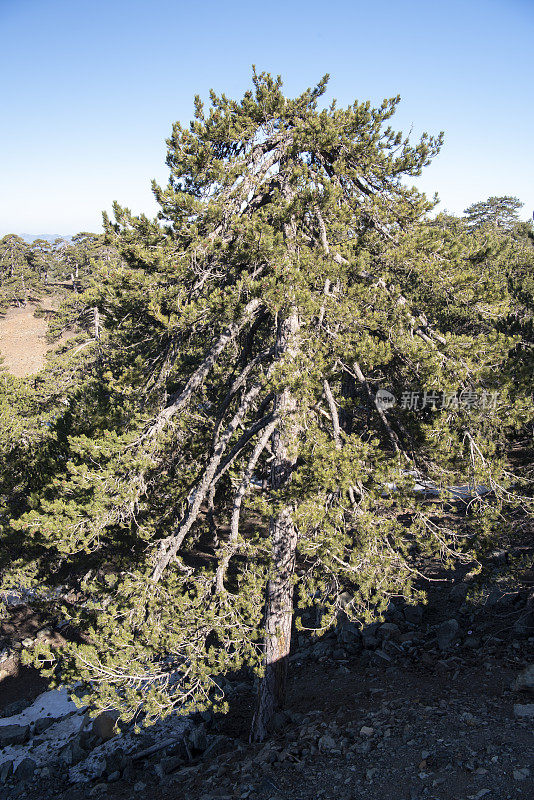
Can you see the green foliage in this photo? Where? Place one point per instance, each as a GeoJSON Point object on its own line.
{"type": "Point", "coordinates": [498, 212]}
{"type": "Point", "coordinates": [274, 206]}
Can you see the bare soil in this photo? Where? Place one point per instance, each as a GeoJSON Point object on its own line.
{"type": "Point", "coordinates": [23, 342]}
{"type": "Point", "coordinates": [390, 723]}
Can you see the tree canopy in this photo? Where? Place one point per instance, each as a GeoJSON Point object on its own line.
{"type": "Point", "coordinates": [499, 212]}
{"type": "Point", "coordinates": [222, 462]}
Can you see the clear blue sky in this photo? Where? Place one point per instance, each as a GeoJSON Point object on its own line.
{"type": "Point", "coordinates": [89, 90]}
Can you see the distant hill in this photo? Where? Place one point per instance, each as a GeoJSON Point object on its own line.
{"type": "Point", "coordinates": [48, 237]}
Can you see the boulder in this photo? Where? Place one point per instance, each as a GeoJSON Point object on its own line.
{"type": "Point", "coordinates": [40, 725]}
{"type": "Point", "coordinates": [525, 680]}
{"type": "Point", "coordinates": [13, 734]}
{"type": "Point", "coordinates": [170, 764]}
{"type": "Point", "coordinates": [6, 770]}
{"type": "Point", "coordinates": [104, 725]}
{"type": "Point", "coordinates": [459, 592]}
{"type": "Point", "coordinates": [198, 738]}
{"type": "Point", "coordinates": [389, 630]}
{"type": "Point", "coordinates": [348, 635]}
{"type": "Point", "coordinates": [525, 711]}
{"type": "Point", "coordinates": [24, 771]}
{"type": "Point", "coordinates": [413, 614]}
{"type": "Point", "coordinates": [73, 753]}
{"type": "Point", "coordinates": [447, 633]}
{"type": "Point", "coordinates": [369, 635]}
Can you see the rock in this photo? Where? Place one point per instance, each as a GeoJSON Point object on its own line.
{"type": "Point", "coordinates": [525, 680]}
{"type": "Point", "coordinates": [73, 753]}
{"type": "Point", "coordinates": [366, 731]}
{"type": "Point", "coordinates": [98, 767]}
{"type": "Point", "coordinates": [458, 592]}
{"type": "Point", "coordinates": [278, 722]}
{"type": "Point", "coordinates": [115, 760]}
{"type": "Point", "coordinates": [472, 642]}
{"type": "Point", "coordinates": [499, 557]}
{"type": "Point", "coordinates": [15, 708]}
{"type": "Point", "coordinates": [326, 743]}
{"type": "Point", "coordinates": [198, 738]}
{"type": "Point", "coordinates": [104, 725]}
{"type": "Point", "coordinates": [13, 734]}
{"type": "Point", "coordinates": [369, 635]}
{"type": "Point", "coordinates": [139, 787]}
{"type": "Point", "coordinates": [40, 725]}
{"type": "Point", "coordinates": [114, 776]}
{"type": "Point", "coordinates": [447, 633]}
{"type": "Point", "coordinates": [413, 614]}
{"type": "Point", "coordinates": [129, 771]}
{"type": "Point", "coordinates": [170, 764]}
{"type": "Point", "coordinates": [348, 635]}
{"type": "Point", "coordinates": [6, 769]}
{"type": "Point", "coordinates": [217, 745]}
{"type": "Point", "coordinates": [389, 630]}
{"type": "Point", "coordinates": [25, 769]}
{"type": "Point", "coordinates": [267, 787]}
{"type": "Point", "coordinates": [322, 648]}
{"type": "Point", "coordinates": [99, 788]}
{"type": "Point", "coordinates": [521, 774]}
{"type": "Point", "coordinates": [526, 710]}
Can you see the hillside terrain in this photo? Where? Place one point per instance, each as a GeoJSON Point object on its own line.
{"type": "Point", "coordinates": [23, 344]}
{"type": "Point", "coordinates": [429, 705]}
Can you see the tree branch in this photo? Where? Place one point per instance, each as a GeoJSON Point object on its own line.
{"type": "Point", "coordinates": [238, 499]}
{"type": "Point", "coordinates": [169, 547]}
{"type": "Point", "coordinates": [178, 400]}
{"type": "Point", "coordinates": [333, 413]}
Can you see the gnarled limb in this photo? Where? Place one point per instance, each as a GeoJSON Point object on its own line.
{"type": "Point", "coordinates": [169, 547]}
{"type": "Point", "coordinates": [238, 382]}
{"type": "Point", "coordinates": [178, 400]}
{"type": "Point", "coordinates": [239, 445]}
{"type": "Point", "coordinates": [394, 439]}
{"type": "Point", "coordinates": [238, 499]}
{"type": "Point", "coordinates": [333, 413]}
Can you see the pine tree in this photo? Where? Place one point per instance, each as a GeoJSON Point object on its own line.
{"type": "Point", "coordinates": [290, 275]}
{"type": "Point", "coordinates": [14, 270]}
{"type": "Point", "coordinates": [500, 212]}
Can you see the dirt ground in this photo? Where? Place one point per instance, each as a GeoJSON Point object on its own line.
{"type": "Point", "coordinates": [22, 340]}
{"type": "Point", "coordinates": [402, 721]}
{"type": "Point", "coordinates": [424, 708]}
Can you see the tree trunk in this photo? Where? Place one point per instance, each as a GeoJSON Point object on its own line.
{"type": "Point", "coordinates": [279, 589]}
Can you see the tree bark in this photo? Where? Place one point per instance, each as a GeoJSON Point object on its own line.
{"type": "Point", "coordinates": [279, 589]}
